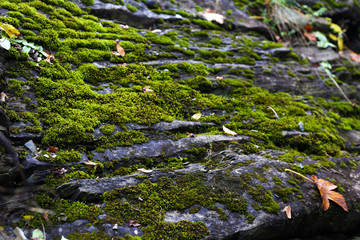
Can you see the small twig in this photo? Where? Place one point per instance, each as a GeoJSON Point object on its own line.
{"type": "Point", "coordinates": [289, 170]}
{"type": "Point", "coordinates": [274, 112]}
{"type": "Point", "coordinates": [216, 5]}
{"type": "Point", "coordinates": [337, 85]}
{"type": "Point", "coordinates": [43, 229]}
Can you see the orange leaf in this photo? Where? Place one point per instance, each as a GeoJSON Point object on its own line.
{"type": "Point", "coordinates": [52, 149]}
{"type": "Point", "coordinates": [325, 188]}
{"type": "Point", "coordinates": [287, 210]}
{"type": "Point", "coordinates": [308, 28]}
{"type": "Point", "coordinates": [310, 36]}
{"type": "Point", "coordinates": [355, 57]}
{"type": "Point", "coordinates": [120, 50]}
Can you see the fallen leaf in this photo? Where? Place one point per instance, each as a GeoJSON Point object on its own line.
{"type": "Point", "coordinates": [211, 16]}
{"type": "Point", "coordinates": [46, 217]}
{"type": "Point", "coordinates": [287, 210]}
{"type": "Point", "coordinates": [355, 57]}
{"type": "Point", "coordinates": [52, 149]}
{"type": "Point", "coordinates": [124, 26]}
{"type": "Point", "coordinates": [10, 30]}
{"type": "Point", "coordinates": [147, 89]}
{"type": "Point", "coordinates": [144, 170]}
{"type": "Point", "coordinates": [90, 163]}
{"type": "Point", "coordinates": [49, 58]}
{"type": "Point", "coordinates": [133, 223]}
{"type": "Point", "coordinates": [3, 97]}
{"type": "Point", "coordinates": [310, 36]}
{"type": "Point", "coordinates": [156, 31]}
{"type": "Point", "coordinates": [190, 134]}
{"type": "Point", "coordinates": [196, 116]}
{"type": "Point", "coordinates": [120, 50]}
{"type": "Point", "coordinates": [59, 171]}
{"type": "Point", "coordinates": [308, 28]}
{"type": "Point", "coordinates": [325, 188]}
{"type": "Point", "coordinates": [19, 234]}
{"type": "Point", "coordinates": [228, 131]}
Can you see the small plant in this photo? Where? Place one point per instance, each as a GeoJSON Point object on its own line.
{"type": "Point", "coordinates": [9, 35]}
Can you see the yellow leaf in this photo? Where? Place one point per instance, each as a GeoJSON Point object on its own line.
{"type": "Point", "coordinates": [340, 43]}
{"type": "Point", "coordinates": [336, 28]}
{"type": "Point", "coordinates": [10, 30]}
{"type": "Point", "coordinates": [333, 37]}
{"type": "Point", "coordinates": [28, 217]}
{"type": "Point", "coordinates": [228, 131]}
{"type": "Point", "coordinates": [196, 116]}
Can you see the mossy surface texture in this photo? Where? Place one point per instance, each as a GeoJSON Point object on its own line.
{"type": "Point", "coordinates": [84, 100]}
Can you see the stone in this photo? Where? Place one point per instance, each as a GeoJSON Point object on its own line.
{"type": "Point", "coordinates": [168, 147]}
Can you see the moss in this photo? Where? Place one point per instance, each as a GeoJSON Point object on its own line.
{"type": "Point", "coordinates": [88, 2]}
{"type": "Point", "coordinates": [165, 195]}
{"type": "Point", "coordinates": [95, 236]}
{"type": "Point", "coordinates": [107, 129]}
{"type": "Point", "coordinates": [131, 8]}
{"type": "Point", "coordinates": [199, 82]}
{"type": "Point", "coordinates": [182, 230]}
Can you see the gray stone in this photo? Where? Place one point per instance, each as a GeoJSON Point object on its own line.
{"type": "Point", "coordinates": [165, 147]}
{"type": "Point", "coordinates": [90, 190]}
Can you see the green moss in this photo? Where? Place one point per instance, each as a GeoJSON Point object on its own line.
{"type": "Point", "coordinates": [107, 129]}
{"type": "Point", "coordinates": [131, 8]}
{"type": "Point", "coordinates": [88, 2]}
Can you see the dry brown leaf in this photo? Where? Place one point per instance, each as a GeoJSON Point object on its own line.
{"type": "Point", "coordinates": [196, 116]}
{"type": "Point", "coordinates": [325, 188]}
{"type": "Point", "coordinates": [52, 149]}
{"type": "Point", "coordinates": [90, 163]}
{"type": "Point", "coordinates": [147, 89]}
{"type": "Point", "coordinates": [120, 50]}
{"type": "Point", "coordinates": [190, 134]}
{"type": "Point", "coordinates": [49, 58]}
{"type": "Point", "coordinates": [211, 16]}
{"type": "Point", "coordinates": [310, 36]}
{"type": "Point", "coordinates": [3, 97]}
{"type": "Point", "coordinates": [133, 223]}
{"type": "Point", "coordinates": [287, 210]}
{"type": "Point", "coordinates": [355, 57]}
{"type": "Point", "coordinates": [228, 131]}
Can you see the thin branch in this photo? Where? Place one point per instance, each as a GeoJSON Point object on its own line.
{"type": "Point", "coordinates": [337, 85]}
{"type": "Point", "coordinates": [274, 112]}
{"type": "Point", "coordinates": [289, 170]}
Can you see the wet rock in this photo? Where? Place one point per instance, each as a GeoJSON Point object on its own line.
{"type": "Point", "coordinates": [266, 225]}
{"type": "Point", "coordinates": [90, 190]}
{"type": "Point", "coordinates": [143, 17]}
{"type": "Point", "coordinates": [177, 125]}
{"type": "Point", "coordinates": [165, 147]}
{"type": "Point", "coordinates": [295, 134]}
{"type": "Point", "coordinates": [317, 55]}
{"type": "Point", "coordinates": [352, 140]}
